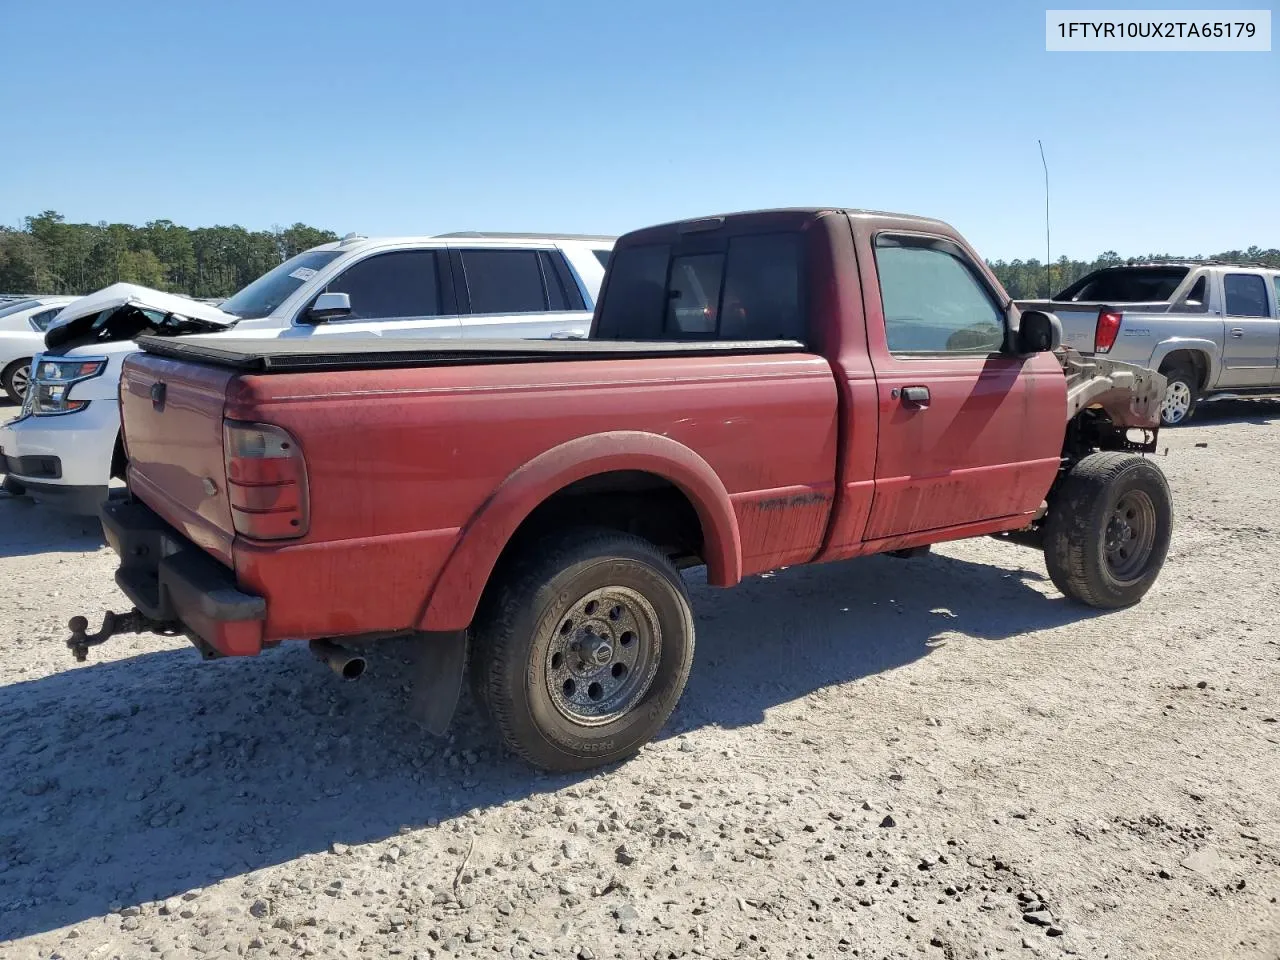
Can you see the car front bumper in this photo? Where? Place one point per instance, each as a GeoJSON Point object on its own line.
{"type": "Point", "coordinates": [82, 443]}
{"type": "Point", "coordinates": [64, 461]}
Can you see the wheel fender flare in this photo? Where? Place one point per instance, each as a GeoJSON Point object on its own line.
{"type": "Point", "coordinates": [453, 599]}
{"type": "Point", "coordinates": [1207, 348]}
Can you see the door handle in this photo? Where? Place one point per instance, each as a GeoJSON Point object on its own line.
{"type": "Point", "coordinates": [915, 395]}
{"type": "Point", "coordinates": [1237, 332]}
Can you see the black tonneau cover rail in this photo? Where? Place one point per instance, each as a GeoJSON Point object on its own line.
{"type": "Point", "coordinates": [289, 355]}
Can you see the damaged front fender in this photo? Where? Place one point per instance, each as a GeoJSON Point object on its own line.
{"type": "Point", "coordinates": [1129, 395]}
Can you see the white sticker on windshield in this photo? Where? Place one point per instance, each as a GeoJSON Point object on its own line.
{"type": "Point", "coordinates": [303, 273]}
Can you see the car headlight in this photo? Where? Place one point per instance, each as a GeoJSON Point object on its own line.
{"type": "Point", "coordinates": [53, 379]}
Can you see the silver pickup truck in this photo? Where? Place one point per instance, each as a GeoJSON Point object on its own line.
{"type": "Point", "coordinates": [1212, 329]}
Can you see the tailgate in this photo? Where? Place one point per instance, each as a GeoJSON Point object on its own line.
{"type": "Point", "coordinates": [1079, 321]}
{"type": "Point", "coordinates": [172, 417]}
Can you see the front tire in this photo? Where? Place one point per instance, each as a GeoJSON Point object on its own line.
{"type": "Point", "coordinates": [1108, 530]}
{"type": "Point", "coordinates": [584, 648]}
{"type": "Point", "coordinates": [15, 379]}
{"type": "Point", "coordinates": [1180, 396]}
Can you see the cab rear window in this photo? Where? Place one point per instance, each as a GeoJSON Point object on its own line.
{"type": "Point", "coordinates": [747, 289]}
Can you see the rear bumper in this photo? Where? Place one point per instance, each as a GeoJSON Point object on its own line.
{"type": "Point", "coordinates": [171, 580]}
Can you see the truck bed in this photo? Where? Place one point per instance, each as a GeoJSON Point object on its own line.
{"type": "Point", "coordinates": [289, 355]}
{"type": "Point", "coordinates": [411, 471]}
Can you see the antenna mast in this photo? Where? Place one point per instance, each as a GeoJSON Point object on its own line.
{"type": "Point", "coordinates": [1048, 259]}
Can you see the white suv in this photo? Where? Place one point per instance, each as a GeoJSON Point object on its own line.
{"type": "Point", "coordinates": [65, 446]}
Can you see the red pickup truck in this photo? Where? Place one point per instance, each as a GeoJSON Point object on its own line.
{"type": "Point", "coordinates": [760, 390]}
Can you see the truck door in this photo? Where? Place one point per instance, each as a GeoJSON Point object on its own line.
{"type": "Point", "coordinates": [1252, 332]}
{"type": "Point", "coordinates": [967, 432]}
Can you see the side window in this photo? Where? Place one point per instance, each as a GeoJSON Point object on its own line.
{"type": "Point", "coordinates": [41, 320]}
{"type": "Point", "coordinates": [403, 283]}
{"type": "Point", "coordinates": [1197, 298]}
{"type": "Point", "coordinates": [557, 296]}
{"type": "Point", "coordinates": [504, 281]}
{"type": "Point", "coordinates": [1276, 281]}
{"type": "Point", "coordinates": [633, 300]}
{"type": "Point", "coordinates": [555, 265]}
{"type": "Point", "coordinates": [1246, 295]}
{"type": "Point", "coordinates": [693, 294]}
{"type": "Point", "coordinates": [933, 302]}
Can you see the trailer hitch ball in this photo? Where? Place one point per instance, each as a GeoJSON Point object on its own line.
{"type": "Point", "coordinates": [112, 623]}
{"type": "Point", "coordinates": [79, 643]}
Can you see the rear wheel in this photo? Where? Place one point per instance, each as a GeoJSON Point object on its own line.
{"type": "Point", "coordinates": [583, 651]}
{"type": "Point", "coordinates": [1108, 530]}
{"type": "Point", "coordinates": [1180, 396]}
{"type": "Point", "coordinates": [16, 378]}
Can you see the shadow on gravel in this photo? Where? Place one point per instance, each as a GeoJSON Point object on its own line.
{"type": "Point", "coordinates": [139, 779]}
{"type": "Point", "coordinates": [1260, 412]}
{"type": "Point", "coordinates": [30, 528]}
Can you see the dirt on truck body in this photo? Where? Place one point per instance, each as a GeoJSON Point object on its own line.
{"type": "Point", "coordinates": [760, 390]}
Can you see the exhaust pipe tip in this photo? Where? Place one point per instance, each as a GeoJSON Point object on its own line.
{"type": "Point", "coordinates": [347, 665]}
{"type": "Point", "coordinates": [350, 669]}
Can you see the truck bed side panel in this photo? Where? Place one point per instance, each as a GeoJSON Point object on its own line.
{"type": "Point", "coordinates": [400, 461]}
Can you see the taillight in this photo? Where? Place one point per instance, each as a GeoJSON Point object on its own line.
{"type": "Point", "coordinates": [1104, 335]}
{"type": "Point", "coordinates": [266, 481]}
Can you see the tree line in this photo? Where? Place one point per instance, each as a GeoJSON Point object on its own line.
{"type": "Point", "coordinates": [1028, 279]}
{"type": "Point", "coordinates": [48, 255]}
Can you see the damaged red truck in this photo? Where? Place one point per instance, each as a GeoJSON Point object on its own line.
{"type": "Point", "coordinates": [760, 390]}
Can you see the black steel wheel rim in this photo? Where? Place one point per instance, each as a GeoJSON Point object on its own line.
{"type": "Point", "coordinates": [1130, 536]}
{"type": "Point", "coordinates": [603, 655]}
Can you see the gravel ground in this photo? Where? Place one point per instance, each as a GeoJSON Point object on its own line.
{"type": "Point", "coordinates": [937, 757]}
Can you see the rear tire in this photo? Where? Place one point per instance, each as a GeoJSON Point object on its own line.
{"type": "Point", "coordinates": [583, 649]}
{"type": "Point", "coordinates": [1180, 396]}
{"type": "Point", "coordinates": [1108, 530]}
{"type": "Point", "coordinates": [14, 379]}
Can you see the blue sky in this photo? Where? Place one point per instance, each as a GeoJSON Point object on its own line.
{"type": "Point", "coordinates": [601, 116]}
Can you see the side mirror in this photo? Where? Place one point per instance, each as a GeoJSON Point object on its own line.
{"type": "Point", "coordinates": [329, 306]}
{"type": "Point", "coordinates": [1038, 332]}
